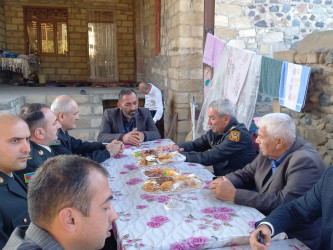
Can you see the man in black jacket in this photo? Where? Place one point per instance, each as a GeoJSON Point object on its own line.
{"type": "Point", "coordinates": [67, 112]}
{"type": "Point", "coordinates": [227, 145]}
{"type": "Point", "coordinates": [44, 129]}
{"type": "Point", "coordinates": [14, 151]}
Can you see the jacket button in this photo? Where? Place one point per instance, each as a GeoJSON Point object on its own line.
{"type": "Point", "coordinates": [25, 220]}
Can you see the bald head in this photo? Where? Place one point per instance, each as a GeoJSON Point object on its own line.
{"type": "Point", "coordinates": [66, 110]}
{"type": "Point", "coordinates": [14, 143]}
{"type": "Point", "coordinates": [144, 88]}
{"type": "Point", "coordinates": [62, 104]}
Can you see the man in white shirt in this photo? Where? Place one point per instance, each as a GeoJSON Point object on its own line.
{"type": "Point", "coordinates": [153, 100]}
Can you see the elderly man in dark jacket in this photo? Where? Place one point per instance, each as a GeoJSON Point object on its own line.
{"type": "Point", "coordinates": [67, 112]}
{"type": "Point", "coordinates": [227, 145]}
{"type": "Point", "coordinates": [285, 169]}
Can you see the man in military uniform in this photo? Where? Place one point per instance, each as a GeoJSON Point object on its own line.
{"type": "Point", "coordinates": [67, 112]}
{"type": "Point", "coordinates": [44, 128]}
{"type": "Point", "coordinates": [227, 145]}
{"type": "Point", "coordinates": [14, 150]}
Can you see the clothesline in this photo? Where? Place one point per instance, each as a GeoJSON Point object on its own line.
{"type": "Point", "coordinates": [239, 74]}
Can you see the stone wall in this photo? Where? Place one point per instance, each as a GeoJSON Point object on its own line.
{"type": "Point", "coordinates": [265, 26]}
{"type": "Point", "coordinates": [177, 70]}
{"type": "Point", "coordinates": [315, 122]}
{"type": "Point", "coordinates": [74, 67]}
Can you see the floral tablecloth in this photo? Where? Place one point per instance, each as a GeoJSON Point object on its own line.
{"type": "Point", "coordinates": [144, 223]}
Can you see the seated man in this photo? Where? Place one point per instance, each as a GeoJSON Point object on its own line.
{"type": "Point", "coordinates": [128, 123]}
{"type": "Point", "coordinates": [227, 145]}
{"type": "Point", "coordinates": [44, 128]}
{"type": "Point", "coordinates": [67, 112]}
{"type": "Point", "coordinates": [153, 100]}
{"type": "Point", "coordinates": [14, 150]}
{"type": "Point", "coordinates": [316, 203]}
{"type": "Point", "coordinates": [69, 203]}
{"type": "Point", "coordinates": [285, 169]}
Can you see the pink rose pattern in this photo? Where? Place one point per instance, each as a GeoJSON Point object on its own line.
{"type": "Point", "coordinates": [134, 181]}
{"type": "Point", "coordinates": [190, 243]}
{"type": "Point", "coordinates": [123, 172]}
{"type": "Point", "coordinates": [160, 218]}
{"type": "Point", "coordinates": [141, 206]}
{"type": "Point", "coordinates": [131, 167]}
{"type": "Point", "coordinates": [207, 184]}
{"type": "Point", "coordinates": [223, 214]}
{"type": "Point", "coordinates": [157, 221]}
{"type": "Point", "coordinates": [120, 156]}
{"type": "Point", "coordinates": [151, 198]}
{"type": "Point", "coordinates": [125, 242]}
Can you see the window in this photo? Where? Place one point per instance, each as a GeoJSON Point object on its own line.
{"type": "Point", "coordinates": [46, 30]}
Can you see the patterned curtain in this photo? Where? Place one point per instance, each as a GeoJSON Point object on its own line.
{"type": "Point", "coordinates": [102, 35]}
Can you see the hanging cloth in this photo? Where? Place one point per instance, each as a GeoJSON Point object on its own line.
{"type": "Point", "coordinates": [270, 77]}
{"type": "Point", "coordinates": [237, 67]}
{"type": "Point", "coordinates": [245, 107]}
{"type": "Point", "coordinates": [213, 50]}
{"type": "Point", "coordinates": [293, 85]}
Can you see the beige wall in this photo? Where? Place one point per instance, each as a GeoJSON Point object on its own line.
{"type": "Point", "coordinates": [74, 67]}
{"type": "Point", "coordinates": [2, 27]}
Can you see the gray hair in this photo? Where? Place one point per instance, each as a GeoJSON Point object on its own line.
{"type": "Point", "coordinates": [279, 125]}
{"type": "Point", "coordinates": [62, 104]}
{"type": "Point", "coordinates": [123, 92]}
{"type": "Point", "coordinates": [223, 107]}
{"type": "Point", "coordinates": [62, 181]}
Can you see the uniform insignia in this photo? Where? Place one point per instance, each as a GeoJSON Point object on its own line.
{"type": "Point", "coordinates": [29, 157]}
{"type": "Point", "coordinates": [28, 176]}
{"type": "Point", "coordinates": [56, 142]}
{"type": "Point", "coordinates": [1, 180]}
{"type": "Point", "coordinates": [234, 135]}
{"type": "Point", "coordinates": [40, 152]}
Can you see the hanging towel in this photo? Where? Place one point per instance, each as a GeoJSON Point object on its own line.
{"type": "Point", "coordinates": [293, 85]}
{"type": "Point", "coordinates": [270, 77]}
{"type": "Point", "coordinates": [245, 107]}
{"type": "Point", "coordinates": [237, 67]}
{"type": "Point", "coordinates": [213, 50]}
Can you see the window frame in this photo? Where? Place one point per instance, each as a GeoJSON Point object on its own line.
{"type": "Point", "coordinates": [54, 21]}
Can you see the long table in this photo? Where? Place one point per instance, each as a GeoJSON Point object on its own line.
{"type": "Point", "coordinates": [202, 221]}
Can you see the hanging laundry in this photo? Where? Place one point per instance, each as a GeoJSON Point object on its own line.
{"type": "Point", "coordinates": [245, 107]}
{"type": "Point", "coordinates": [293, 85]}
{"type": "Point", "coordinates": [208, 75]}
{"type": "Point", "coordinates": [213, 50]}
{"type": "Point", "coordinates": [270, 77]}
{"type": "Point", "coordinates": [237, 67]}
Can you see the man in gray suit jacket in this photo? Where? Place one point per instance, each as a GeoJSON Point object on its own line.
{"type": "Point", "coordinates": [69, 203]}
{"type": "Point", "coordinates": [285, 169]}
{"type": "Point", "coordinates": [128, 123]}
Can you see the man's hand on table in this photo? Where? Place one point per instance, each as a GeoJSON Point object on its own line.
{"type": "Point", "coordinates": [171, 147]}
{"type": "Point", "coordinates": [266, 233]}
{"type": "Point", "coordinates": [134, 137]}
{"type": "Point", "coordinates": [223, 189]}
{"type": "Point", "coordinates": [115, 148]}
